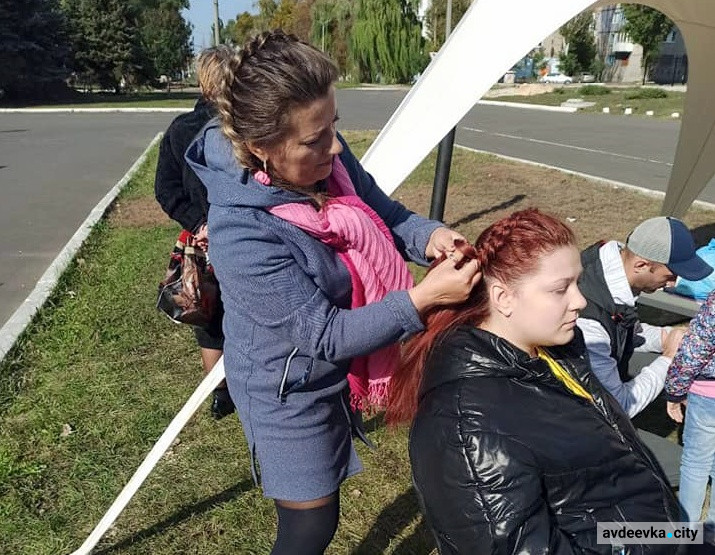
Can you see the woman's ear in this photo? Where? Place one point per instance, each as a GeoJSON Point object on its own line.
{"type": "Point", "coordinates": [257, 151]}
{"type": "Point", "coordinates": [501, 298]}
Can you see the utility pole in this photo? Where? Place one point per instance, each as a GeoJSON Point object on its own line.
{"type": "Point", "coordinates": [444, 152]}
{"type": "Point", "coordinates": [217, 32]}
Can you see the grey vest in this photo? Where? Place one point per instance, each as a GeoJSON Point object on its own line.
{"type": "Point", "coordinates": [618, 320]}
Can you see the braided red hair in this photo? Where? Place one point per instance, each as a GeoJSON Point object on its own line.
{"type": "Point", "coordinates": [508, 250]}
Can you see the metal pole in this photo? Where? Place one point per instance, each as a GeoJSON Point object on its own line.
{"type": "Point", "coordinates": [217, 32]}
{"type": "Point", "coordinates": [444, 153]}
{"type": "Point", "coordinates": [448, 23]}
{"type": "Point", "coordinates": [441, 176]}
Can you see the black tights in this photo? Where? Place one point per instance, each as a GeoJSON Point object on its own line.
{"type": "Point", "coordinates": [306, 531]}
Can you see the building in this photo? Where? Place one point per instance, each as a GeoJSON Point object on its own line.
{"type": "Point", "coordinates": [671, 67]}
{"type": "Point", "coordinates": [622, 58]}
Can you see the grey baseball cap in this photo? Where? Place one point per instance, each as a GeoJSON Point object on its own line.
{"type": "Point", "coordinates": [668, 241]}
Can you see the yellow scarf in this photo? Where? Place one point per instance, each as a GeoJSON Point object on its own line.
{"type": "Point", "coordinates": [563, 376]}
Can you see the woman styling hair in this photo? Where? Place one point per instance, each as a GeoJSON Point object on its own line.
{"type": "Point", "coordinates": [310, 256]}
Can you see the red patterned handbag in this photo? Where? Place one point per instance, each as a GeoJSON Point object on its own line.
{"type": "Point", "coordinates": [189, 292]}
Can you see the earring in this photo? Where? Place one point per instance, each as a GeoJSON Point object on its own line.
{"type": "Point", "coordinates": [262, 176]}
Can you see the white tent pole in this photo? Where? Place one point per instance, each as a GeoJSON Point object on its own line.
{"type": "Point", "coordinates": [209, 383]}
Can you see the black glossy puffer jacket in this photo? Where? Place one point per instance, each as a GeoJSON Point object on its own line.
{"type": "Point", "coordinates": [506, 460]}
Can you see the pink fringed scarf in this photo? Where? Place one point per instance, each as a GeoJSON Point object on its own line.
{"type": "Point", "coordinates": [365, 246]}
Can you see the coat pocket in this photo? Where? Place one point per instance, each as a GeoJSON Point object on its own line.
{"type": "Point", "coordinates": [296, 373]}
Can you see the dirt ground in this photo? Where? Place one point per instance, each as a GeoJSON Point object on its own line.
{"type": "Point", "coordinates": [484, 189]}
{"type": "Point", "coordinates": [522, 89]}
{"type": "Point", "coordinates": [137, 212]}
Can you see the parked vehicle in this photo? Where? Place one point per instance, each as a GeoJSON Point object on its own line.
{"type": "Point", "coordinates": [557, 78]}
{"type": "Point", "coordinates": [586, 78]}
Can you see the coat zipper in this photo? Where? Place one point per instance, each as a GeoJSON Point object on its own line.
{"type": "Point", "coordinates": [284, 379]}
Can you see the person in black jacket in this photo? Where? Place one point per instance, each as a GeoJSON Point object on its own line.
{"type": "Point", "coordinates": [183, 197]}
{"type": "Point", "coordinates": [515, 446]}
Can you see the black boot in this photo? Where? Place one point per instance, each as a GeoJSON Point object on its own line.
{"type": "Point", "coordinates": [222, 405]}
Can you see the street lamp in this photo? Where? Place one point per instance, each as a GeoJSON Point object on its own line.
{"type": "Point", "coordinates": [444, 152]}
{"type": "Point", "coordinates": [217, 33]}
{"type": "Point", "coordinates": [322, 34]}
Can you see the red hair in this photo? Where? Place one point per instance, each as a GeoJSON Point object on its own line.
{"type": "Point", "coordinates": [507, 250]}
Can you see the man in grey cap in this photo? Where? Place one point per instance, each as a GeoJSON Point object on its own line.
{"type": "Point", "coordinates": [614, 274]}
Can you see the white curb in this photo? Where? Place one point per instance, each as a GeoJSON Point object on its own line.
{"type": "Point", "coordinates": [543, 107]}
{"type": "Point", "coordinates": [20, 319]}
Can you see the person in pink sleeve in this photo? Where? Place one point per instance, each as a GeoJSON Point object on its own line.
{"type": "Point", "coordinates": [691, 381]}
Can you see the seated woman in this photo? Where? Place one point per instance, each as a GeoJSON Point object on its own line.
{"type": "Point", "coordinates": [515, 446]}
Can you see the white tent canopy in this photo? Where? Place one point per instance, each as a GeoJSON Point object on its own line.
{"type": "Point", "coordinates": [452, 84]}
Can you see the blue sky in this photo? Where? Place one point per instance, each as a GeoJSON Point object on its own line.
{"type": "Point", "coordinates": [201, 15]}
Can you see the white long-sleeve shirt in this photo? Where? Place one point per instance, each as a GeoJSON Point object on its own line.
{"type": "Point", "coordinates": [636, 394]}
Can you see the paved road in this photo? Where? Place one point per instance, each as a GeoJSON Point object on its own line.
{"type": "Point", "coordinates": [54, 168]}
{"type": "Point", "coordinates": [633, 150]}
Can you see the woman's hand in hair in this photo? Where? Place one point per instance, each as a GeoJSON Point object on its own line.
{"type": "Point", "coordinates": [449, 282]}
{"type": "Point", "coordinates": [442, 241]}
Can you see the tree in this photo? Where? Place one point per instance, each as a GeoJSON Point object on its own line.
{"type": "Point", "coordinates": [386, 41]}
{"type": "Point", "coordinates": [284, 17]}
{"type": "Point", "coordinates": [647, 27]}
{"type": "Point", "coordinates": [332, 22]}
{"type": "Point", "coordinates": [239, 30]}
{"type": "Point", "coordinates": [33, 47]}
{"type": "Point", "coordinates": [165, 40]}
{"type": "Point", "coordinates": [104, 41]}
{"type": "Point", "coordinates": [303, 22]}
{"type": "Point", "coordinates": [580, 50]}
{"type": "Point", "coordinates": [266, 11]}
{"type": "Point", "coordinates": [436, 19]}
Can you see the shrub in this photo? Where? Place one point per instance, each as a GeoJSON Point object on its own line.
{"type": "Point", "coordinates": [594, 90]}
{"type": "Point", "coordinates": [646, 93]}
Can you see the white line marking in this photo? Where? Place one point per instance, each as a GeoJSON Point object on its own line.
{"type": "Point", "coordinates": [572, 147]}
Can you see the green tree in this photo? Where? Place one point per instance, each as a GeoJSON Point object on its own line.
{"type": "Point", "coordinates": [436, 19]}
{"type": "Point", "coordinates": [580, 51]}
{"type": "Point", "coordinates": [239, 30]}
{"type": "Point", "coordinates": [386, 41]}
{"type": "Point", "coordinates": [33, 47]}
{"type": "Point", "coordinates": [266, 10]}
{"type": "Point", "coordinates": [539, 61]}
{"type": "Point", "coordinates": [165, 41]}
{"type": "Point", "coordinates": [647, 27]}
{"type": "Point", "coordinates": [284, 17]}
{"type": "Point", "coordinates": [105, 41]}
{"type": "Point", "coordinates": [332, 22]}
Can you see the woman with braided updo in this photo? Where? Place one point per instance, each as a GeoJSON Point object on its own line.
{"type": "Point", "coordinates": [515, 446]}
{"type": "Point", "coordinates": [310, 254]}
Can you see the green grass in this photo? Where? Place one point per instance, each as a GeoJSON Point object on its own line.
{"type": "Point", "coordinates": [99, 361]}
{"type": "Point", "coordinates": [99, 374]}
{"type": "Point", "coordinates": [617, 100]}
